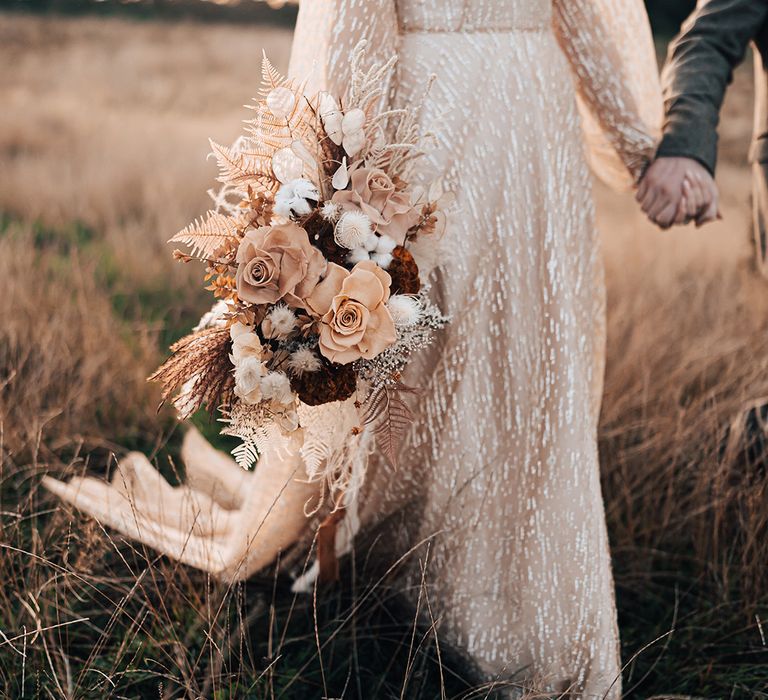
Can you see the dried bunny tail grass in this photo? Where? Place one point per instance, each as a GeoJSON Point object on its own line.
{"type": "Point", "coordinates": [200, 364]}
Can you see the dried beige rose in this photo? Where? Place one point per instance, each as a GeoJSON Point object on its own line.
{"type": "Point", "coordinates": [355, 321]}
{"type": "Point", "coordinates": [277, 262]}
{"type": "Point", "coordinates": [389, 209]}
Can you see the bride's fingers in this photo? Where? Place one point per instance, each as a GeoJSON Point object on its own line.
{"type": "Point", "coordinates": [642, 190]}
{"type": "Point", "coordinates": [683, 215]}
{"type": "Point", "coordinates": [711, 213]}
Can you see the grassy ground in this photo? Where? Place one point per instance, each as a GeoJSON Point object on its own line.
{"type": "Point", "coordinates": [102, 156]}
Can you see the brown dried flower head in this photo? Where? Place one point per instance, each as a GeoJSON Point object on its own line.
{"type": "Point", "coordinates": [404, 272]}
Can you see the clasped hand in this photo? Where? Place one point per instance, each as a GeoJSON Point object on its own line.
{"type": "Point", "coordinates": [678, 191]}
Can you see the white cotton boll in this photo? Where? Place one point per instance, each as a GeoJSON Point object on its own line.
{"type": "Point", "coordinates": [275, 386]}
{"type": "Point", "coordinates": [385, 245]}
{"type": "Point", "coordinates": [305, 189]}
{"type": "Point", "coordinates": [303, 360]}
{"type": "Point", "coordinates": [291, 198]}
{"type": "Point", "coordinates": [357, 255]}
{"type": "Point", "coordinates": [283, 321]}
{"type": "Point", "coordinates": [248, 375]}
{"type": "Point", "coordinates": [330, 211]}
{"type": "Point", "coordinates": [383, 260]}
{"type": "Point", "coordinates": [405, 310]}
{"type": "Point", "coordinates": [352, 230]}
{"type": "Point", "coordinates": [371, 242]}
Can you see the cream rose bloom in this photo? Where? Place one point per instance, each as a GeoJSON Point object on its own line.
{"type": "Point", "coordinates": [244, 343]}
{"type": "Point", "coordinates": [277, 262]}
{"type": "Point", "coordinates": [373, 192]}
{"type": "Point", "coordinates": [355, 321]}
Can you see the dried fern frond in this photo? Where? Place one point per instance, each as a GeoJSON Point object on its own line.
{"type": "Point", "coordinates": [271, 78]}
{"type": "Point", "coordinates": [271, 132]}
{"type": "Point", "coordinates": [250, 165]}
{"type": "Point", "coordinates": [205, 236]}
{"type": "Point", "coordinates": [200, 364]}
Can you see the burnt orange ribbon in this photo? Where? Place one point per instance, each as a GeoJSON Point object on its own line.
{"type": "Point", "coordinates": [326, 547]}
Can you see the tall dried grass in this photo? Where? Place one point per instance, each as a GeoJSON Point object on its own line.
{"type": "Point", "coordinates": [102, 145]}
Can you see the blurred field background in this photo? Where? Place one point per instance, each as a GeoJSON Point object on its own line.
{"type": "Point", "coordinates": [104, 118]}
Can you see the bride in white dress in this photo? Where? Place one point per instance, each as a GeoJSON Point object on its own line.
{"type": "Point", "coordinates": [497, 494]}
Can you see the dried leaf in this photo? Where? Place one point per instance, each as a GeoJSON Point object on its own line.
{"type": "Point", "coordinates": [390, 415]}
{"type": "Point", "coordinates": [392, 427]}
{"type": "Point", "coordinates": [205, 236]}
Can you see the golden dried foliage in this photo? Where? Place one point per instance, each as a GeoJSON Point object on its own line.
{"type": "Point", "coordinates": [200, 364]}
{"type": "Point", "coordinates": [274, 132]}
{"type": "Point", "coordinates": [205, 236]}
{"type": "Point", "coordinates": [245, 168]}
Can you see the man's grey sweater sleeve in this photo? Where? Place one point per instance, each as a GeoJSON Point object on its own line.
{"type": "Point", "coordinates": [699, 68]}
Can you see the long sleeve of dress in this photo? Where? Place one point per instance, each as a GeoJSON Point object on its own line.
{"type": "Point", "coordinates": [327, 31]}
{"type": "Point", "coordinates": [610, 48]}
{"type": "Point", "coordinates": [699, 68]}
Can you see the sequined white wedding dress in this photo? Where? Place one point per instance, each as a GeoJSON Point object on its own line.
{"type": "Point", "coordinates": [497, 495]}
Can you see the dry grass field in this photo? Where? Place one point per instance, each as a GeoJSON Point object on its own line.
{"type": "Point", "coordinates": [103, 129]}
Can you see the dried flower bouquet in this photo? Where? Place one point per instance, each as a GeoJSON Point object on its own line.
{"type": "Point", "coordinates": [307, 251]}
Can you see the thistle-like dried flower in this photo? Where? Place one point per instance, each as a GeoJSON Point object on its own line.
{"type": "Point", "coordinates": [330, 211]}
{"type": "Point", "coordinates": [352, 230]}
{"type": "Point", "coordinates": [279, 323]}
{"type": "Point", "coordinates": [404, 309]}
{"type": "Point", "coordinates": [303, 360]}
{"type": "Point", "coordinates": [275, 386]}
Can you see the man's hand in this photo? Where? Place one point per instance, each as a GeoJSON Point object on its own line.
{"type": "Point", "coordinates": [678, 190]}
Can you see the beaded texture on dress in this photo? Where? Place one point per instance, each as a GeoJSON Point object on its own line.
{"type": "Point", "coordinates": [500, 479]}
